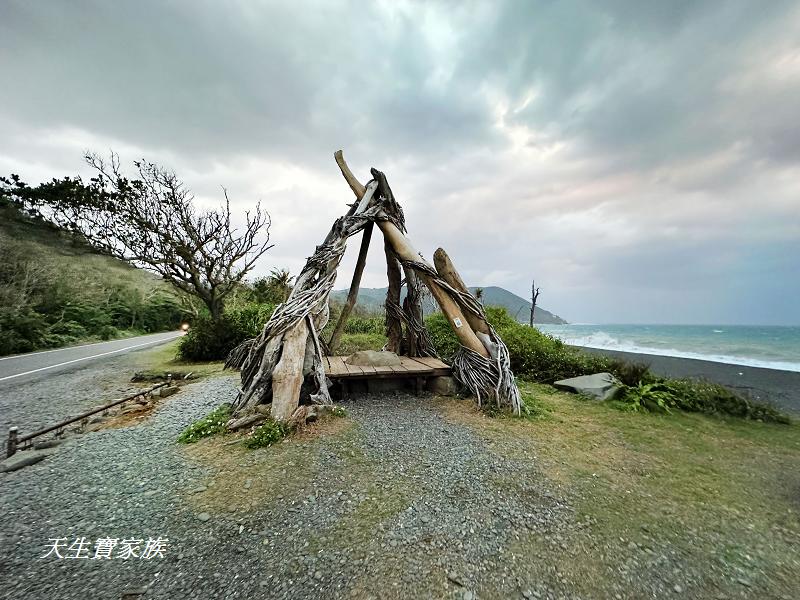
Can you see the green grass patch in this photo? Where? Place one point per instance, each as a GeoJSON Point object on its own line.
{"type": "Point", "coordinates": [165, 359]}
{"type": "Point", "coordinates": [719, 495]}
{"type": "Point", "coordinates": [212, 424]}
{"type": "Point", "coordinates": [267, 434]}
{"type": "Point", "coordinates": [353, 342]}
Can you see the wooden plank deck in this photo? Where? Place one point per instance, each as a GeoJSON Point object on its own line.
{"type": "Point", "coordinates": [337, 368]}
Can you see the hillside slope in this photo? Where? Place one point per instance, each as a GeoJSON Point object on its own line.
{"type": "Point", "coordinates": [55, 291]}
{"type": "Point", "coordinates": [371, 299]}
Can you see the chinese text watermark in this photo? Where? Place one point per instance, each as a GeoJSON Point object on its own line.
{"type": "Point", "coordinates": [106, 548]}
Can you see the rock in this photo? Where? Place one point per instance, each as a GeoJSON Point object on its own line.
{"type": "Point", "coordinates": [204, 516]}
{"type": "Point", "coordinates": [373, 358]}
{"type": "Point", "coordinates": [677, 589]}
{"type": "Point", "coordinates": [602, 386]}
{"type": "Point", "coordinates": [442, 386]}
{"type": "Point", "coordinates": [168, 391]}
{"type": "Point", "coordinates": [468, 595]}
{"type": "Point", "coordinates": [455, 579]}
{"type": "Point", "coordinates": [23, 459]}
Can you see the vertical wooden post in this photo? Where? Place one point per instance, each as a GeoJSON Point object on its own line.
{"type": "Point", "coordinates": [394, 329]}
{"type": "Point", "coordinates": [352, 295]}
{"type": "Point", "coordinates": [11, 446]}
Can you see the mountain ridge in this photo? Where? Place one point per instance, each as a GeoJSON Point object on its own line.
{"type": "Point", "coordinates": [371, 299]}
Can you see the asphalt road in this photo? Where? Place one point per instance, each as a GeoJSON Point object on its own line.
{"type": "Point", "coordinates": [26, 367]}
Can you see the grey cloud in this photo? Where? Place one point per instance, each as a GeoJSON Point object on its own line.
{"type": "Point", "coordinates": [657, 139]}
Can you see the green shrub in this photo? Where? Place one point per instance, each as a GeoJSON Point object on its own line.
{"type": "Point", "coordinates": [208, 340]}
{"type": "Point", "coordinates": [442, 336]}
{"type": "Point", "coordinates": [712, 398]}
{"type": "Point", "coordinates": [365, 325]}
{"type": "Point", "coordinates": [534, 355]}
{"type": "Point", "coordinates": [647, 397]}
{"type": "Point", "coordinates": [211, 424]}
{"type": "Point", "coordinates": [353, 342]}
{"type": "Point", "coordinates": [267, 434]}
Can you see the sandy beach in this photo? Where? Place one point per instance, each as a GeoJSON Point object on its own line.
{"type": "Point", "coordinates": [781, 388]}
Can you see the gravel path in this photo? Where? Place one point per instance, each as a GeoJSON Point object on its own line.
{"type": "Point", "coordinates": [400, 500]}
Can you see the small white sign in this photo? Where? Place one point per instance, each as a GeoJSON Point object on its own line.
{"type": "Point", "coordinates": [457, 322]}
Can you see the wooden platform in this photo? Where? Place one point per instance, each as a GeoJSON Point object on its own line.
{"type": "Point", "coordinates": [336, 368]}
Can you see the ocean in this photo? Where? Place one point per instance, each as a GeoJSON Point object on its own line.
{"type": "Point", "coordinates": [772, 347]}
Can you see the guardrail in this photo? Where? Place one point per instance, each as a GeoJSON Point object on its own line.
{"type": "Point", "coordinates": [15, 442]}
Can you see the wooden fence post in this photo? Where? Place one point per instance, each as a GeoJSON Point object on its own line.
{"type": "Point", "coordinates": [11, 447]}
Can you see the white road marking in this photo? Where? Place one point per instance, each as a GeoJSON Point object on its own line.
{"type": "Point", "coordinates": [64, 349]}
{"type": "Point", "coordinates": [84, 358]}
{"type": "Point", "coordinates": [53, 350]}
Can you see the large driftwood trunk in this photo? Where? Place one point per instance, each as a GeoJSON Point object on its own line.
{"type": "Point", "coordinates": [288, 352]}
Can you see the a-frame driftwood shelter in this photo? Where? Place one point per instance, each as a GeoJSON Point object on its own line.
{"type": "Point", "coordinates": [284, 365]}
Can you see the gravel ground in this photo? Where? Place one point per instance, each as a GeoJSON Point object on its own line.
{"type": "Point", "coordinates": [397, 500]}
{"type": "Point", "coordinates": [66, 394]}
{"type": "Point", "coordinates": [401, 500]}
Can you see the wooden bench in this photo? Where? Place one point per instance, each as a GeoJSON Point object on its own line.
{"type": "Point", "coordinates": [419, 369]}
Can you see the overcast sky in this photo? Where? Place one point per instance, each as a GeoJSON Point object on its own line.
{"type": "Point", "coordinates": [640, 159]}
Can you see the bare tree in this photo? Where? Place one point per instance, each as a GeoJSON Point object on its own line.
{"type": "Point", "coordinates": [534, 298]}
{"type": "Point", "coordinates": [151, 222]}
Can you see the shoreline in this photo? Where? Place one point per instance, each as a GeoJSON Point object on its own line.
{"type": "Point", "coordinates": [780, 388]}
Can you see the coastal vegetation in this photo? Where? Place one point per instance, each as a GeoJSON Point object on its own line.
{"type": "Point", "coordinates": [150, 221]}
{"type": "Point", "coordinates": [540, 358]}
{"type": "Point", "coordinates": [55, 290]}
{"type": "Point", "coordinates": [60, 282]}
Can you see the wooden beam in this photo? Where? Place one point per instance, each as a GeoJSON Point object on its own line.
{"type": "Point", "coordinates": [352, 295]}
{"type": "Point", "coordinates": [406, 252]}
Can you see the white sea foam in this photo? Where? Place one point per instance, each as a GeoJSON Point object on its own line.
{"type": "Point", "coordinates": [604, 341]}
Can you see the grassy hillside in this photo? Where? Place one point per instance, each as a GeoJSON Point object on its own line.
{"type": "Point", "coordinates": [371, 300]}
{"type": "Point", "coordinates": [55, 291]}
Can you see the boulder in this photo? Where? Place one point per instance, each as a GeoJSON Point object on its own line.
{"type": "Point", "coordinates": [373, 358]}
{"type": "Point", "coordinates": [602, 386]}
{"type": "Point", "coordinates": [442, 386]}
{"type": "Point", "coordinates": [168, 391]}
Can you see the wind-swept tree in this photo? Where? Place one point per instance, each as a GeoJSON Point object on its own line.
{"type": "Point", "coordinates": [151, 222]}
{"type": "Point", "coordinates": [274, 288]}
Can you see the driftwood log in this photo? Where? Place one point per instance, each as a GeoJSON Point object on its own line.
{"type": "Point", "coordinates": [284, 366]}
{"type": "Point", "coordinates": [352, 294]}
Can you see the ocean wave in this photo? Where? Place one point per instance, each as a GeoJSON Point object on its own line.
{"type": "Point", "coordinates": [604, 341]}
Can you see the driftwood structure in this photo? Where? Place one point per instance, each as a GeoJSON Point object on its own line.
{"type": "Point", "coordinates": [284, 365]}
